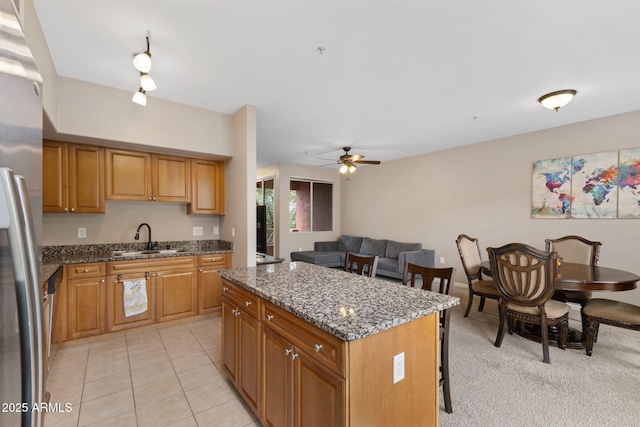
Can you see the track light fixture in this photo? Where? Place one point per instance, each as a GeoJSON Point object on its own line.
{"type": "Point", "coordinates": [142, 62]}
{"type": "Point", "coordinates": [139, 97]}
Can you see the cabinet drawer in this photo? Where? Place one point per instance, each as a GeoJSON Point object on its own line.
{"type": "Point", "coordinates": [89, 269]}
{"type": "Point", "coordinates": [213, 260]}
{"type": "Point", "coordinates": [326, 349]}
{"type": "Point", "coordinates": [243, 298]}
{"type": "Point", "coordinates": [150, 265]}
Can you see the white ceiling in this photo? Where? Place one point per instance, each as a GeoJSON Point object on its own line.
{"type": "Point", "coordinates": [397, 78]}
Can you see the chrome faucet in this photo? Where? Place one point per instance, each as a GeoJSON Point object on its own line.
{"type": "Point", "coordinates": [137, 236]}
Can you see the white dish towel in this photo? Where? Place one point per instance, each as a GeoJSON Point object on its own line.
{"type": "Point", "coordinates": [135, 297]}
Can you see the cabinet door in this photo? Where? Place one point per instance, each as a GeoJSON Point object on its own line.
{"type": "Point", "coordinates": [318, 394]}
{"type": "Point", "coordinates": [128, 175]}
{"type": "Point", "coordinates": [55, 193]}
{"type": "Point", "coordinates": [115, 315]}
{"type": "Point", "coordinates": [85, 307]}
{"type": "Point", "coordinates": [86, 179]}
{"type": "Point", "coordinates": [171, 179]}
{"type": "Point", "coordinates": [209, 290]}
{"type": "Point", "coordinates": [277, 380]}
{"type": "Point", "coordinates": [176, 294]}
{"type": "Point", "coordinates": [249, 360]}
{"type": "Point", "coordinates": [229, 339]}
{"type": "Point", "coordinates": [208, 187]}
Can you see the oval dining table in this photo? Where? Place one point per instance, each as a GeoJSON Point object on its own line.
{"type": "Point", "coordinates": [578, 277]}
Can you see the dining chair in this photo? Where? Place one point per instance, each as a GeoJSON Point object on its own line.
{"type": "Point", "coordinates": [362, 265]}
{"type": "Point", "coordinates": [469, 250]}
{"type": "Point", "coordinates": [445, 286]}
{"type": "Point", "coordinates": [614, 313]}
{"type": "Point", "coordinates": [525, 278]}
{"type": "Point", "coordinates": [577, 250]}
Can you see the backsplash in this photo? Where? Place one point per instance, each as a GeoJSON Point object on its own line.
{"type": "Point", "coordinates": [50, 253]}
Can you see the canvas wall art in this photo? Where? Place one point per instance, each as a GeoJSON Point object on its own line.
{"type": "Point", "coordinates": [629, 184]}
{"type": "Point", "coordinates": [594, 185]}
{"type": "Point", "coordinates": [551, 188]}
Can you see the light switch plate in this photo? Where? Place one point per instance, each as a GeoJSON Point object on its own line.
{"type": "Point", "coordinates": [82, 233]}
{"type": "Point", "coordinates": [197, 231]}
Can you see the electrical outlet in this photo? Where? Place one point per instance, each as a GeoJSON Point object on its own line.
{"type": "Point", "coordinates": [197, 231]}
{"type": "Point", "coordinates": [216, 230]}
{"type": "Point", "coordinates": [82, 233]}
{"type": "Point", "coordinates": [441, 260]}
{"type": "Point", "coordinates": [398, 367]}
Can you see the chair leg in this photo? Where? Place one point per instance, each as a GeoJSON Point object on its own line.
{"type": "Point", "coordinates": [564, 332]}
{"type": "Point", "coordinates": [544, 328]}
{"type": "Point", "coordinates": [500, 336]}
{"type": "Point", "coordinates": [481, 306]}
{"type": "Point", "coordinates": [592, 330]}
{"type": "Point", "coordinates": [444, 361]}
{"type": "Point", "coordinates": [470, 303]}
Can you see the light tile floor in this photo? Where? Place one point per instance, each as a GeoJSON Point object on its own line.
{"type": "Point", "coordinates": [170, 376]}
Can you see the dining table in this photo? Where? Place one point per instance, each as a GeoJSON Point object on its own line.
{"type": "Point", "coordinates": [577, 277]}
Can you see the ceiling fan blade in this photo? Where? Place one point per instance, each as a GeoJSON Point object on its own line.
{"type": "Point", "coordinates": [324, 158]}
{"type": "Point", "coordinates": [328, 164]}
{"type": "Point", "coordinates": [355, 158]}
{"type": "Point", "coordinates": [368, 162]}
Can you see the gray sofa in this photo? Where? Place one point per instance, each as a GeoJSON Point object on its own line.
{"type": "Point", "coordinates": [392, 255]}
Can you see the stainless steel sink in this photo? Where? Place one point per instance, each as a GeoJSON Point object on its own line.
{"type": "Point", "coordinates": [148, 252]}
{"type": "Point", "coordinates": [171, 251]}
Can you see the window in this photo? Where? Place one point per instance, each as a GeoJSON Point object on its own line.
{"type": "Point", "coordinates": [310, 205]}
{"type": "Point", "coordinates": [265, 200]}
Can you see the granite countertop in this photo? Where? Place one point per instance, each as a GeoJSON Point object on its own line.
{"type": "Point", "coordinates": [344, 304]}
{"type": "Point", "coordinates": [54, 256]}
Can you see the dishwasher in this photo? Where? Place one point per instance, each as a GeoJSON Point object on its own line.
{"type": "Point", "coordinates": [52, 335]}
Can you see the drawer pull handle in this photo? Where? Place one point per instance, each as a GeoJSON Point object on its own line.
{"type": "Point", "coordinates": [247, 303]}
{"type": "Point", "coordinates": [269, 317]}
{"type": "Point", "coordinates": [318, 347]}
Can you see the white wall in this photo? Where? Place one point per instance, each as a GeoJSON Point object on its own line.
{"type": "Point", "coordinates": [168, 221]}
{"type": "Point", "coordinates": [484, 190]}
{"type": "Point", "coordinates": [286, 241]}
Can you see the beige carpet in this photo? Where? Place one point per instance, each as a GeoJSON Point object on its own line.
{"type": "Point", "coordinates": [511, 386]}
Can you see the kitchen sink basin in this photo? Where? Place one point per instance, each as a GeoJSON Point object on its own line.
{"type": "Point", "coordinates": [147, 252]}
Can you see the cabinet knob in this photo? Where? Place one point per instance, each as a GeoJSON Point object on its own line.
{"type": "Point", "coordinates": [73, 209]}
{"type": "Point", "coordinates": [269, 317]}
{"type": "Point", "coordinates": [318, 347]}
{"type": "Point", "coordinates": [287, 352]}
{"type": "Point", "coordinates": [66, 210]}
{"type": "Point", "coordinates": [102, 281]}
{"type": "Point", "coordinates": [159, 274]}
{"type": "Point", "coordinates": [154, 199]}
{"type": "Point", "coordinates": [238, 312]}
{"type": "Point", "coordinates": [86, 270]}
{"type": "Point", "coordinates": [225, 289]}
{"type": "Point", "coordinates": [247, 303]}
{"type": "Point", "coordinates": [293, 356]}
{"type": "Point", "coordinates": [150, 199]}
{"type": "Point", "coordinates": [201, 270]}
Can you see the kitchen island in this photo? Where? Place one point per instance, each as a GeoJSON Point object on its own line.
{"type": "Point", "coordinates": [307, 345]}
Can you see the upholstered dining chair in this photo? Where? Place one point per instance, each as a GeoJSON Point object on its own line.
{"type": "Point", "coordinates": [469, 250]}
{"type": "Point", "coordinates": [525, 278]}
{"type": "Point", "coordinates": [445, 286]}
{"type": "Point", "coordinates": [577, 250]}
{"type": "Point", "coordinates": [614, 313]}
{"type": "Point", "coordinates": [362, 265]}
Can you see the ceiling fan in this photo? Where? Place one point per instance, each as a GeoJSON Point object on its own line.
{"type": "Point", "coordinates": [349, 161]}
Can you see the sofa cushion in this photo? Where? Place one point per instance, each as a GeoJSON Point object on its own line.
{"type": "Point", "coordinates": [349, 243]}
{"type": "Point", "coordinates": [388, 264]}
{"type": "Point", "coordinates": [373, 246]}
{"type": "Point", "coordinates": [394, 248]}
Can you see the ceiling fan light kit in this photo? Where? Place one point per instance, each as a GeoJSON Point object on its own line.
{"type": "Point", "coordinates": [348, 161]}
{"type": "Point", "coordinates": [142, 62]}
{"type": "Point", "coordinates": [558, 99]}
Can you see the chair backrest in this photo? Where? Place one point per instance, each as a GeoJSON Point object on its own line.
{"type": "Point", "coordinates": [428, 274]}
{"type": "Point", "coordinates": [523, 275]}
{"type": "Point", "coordinates": [575, 249]}
{"type": "Point", "coordinates": [366, 265]}
{"type": "Point", "coordinates": [469, 251]}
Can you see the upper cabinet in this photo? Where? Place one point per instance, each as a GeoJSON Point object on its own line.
{"type": "Point", "coordinates": [208, 187]}
{"type": "Point", "coordinates": [72, 178]}
{"type": "Point", "coordinates": [133, 175]}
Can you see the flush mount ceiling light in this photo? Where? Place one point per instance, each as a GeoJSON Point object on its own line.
{"type": "Point", "coordinates": [140, 98]}
{"type": "Point", "coordinates": [142, 62]}
{"type": "Point", "coordinates": [558, 99]}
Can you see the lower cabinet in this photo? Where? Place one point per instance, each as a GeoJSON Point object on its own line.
{"type": "Point", "coordinates": [210, 283]}
{"type": "Point", "coordinates": [85, 300]}
{"type": "Point", "coordinates": [241, 345]}
{"type": "Point", "coordinates": [177, 294]}
{"type": "Point", "coordinates": [297, 390]}
{"type": "Point", "coordinates": [116, 316]}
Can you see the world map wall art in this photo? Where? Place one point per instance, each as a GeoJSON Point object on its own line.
{"type": "Point", "coordinates": [601, 185]}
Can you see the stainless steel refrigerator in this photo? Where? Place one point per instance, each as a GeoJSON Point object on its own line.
{"type": "Point", "coordinates": [21, 296]}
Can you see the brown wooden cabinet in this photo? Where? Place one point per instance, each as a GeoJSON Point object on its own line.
{"type": "Point", "coordinates": [177, 294]}
{"type": "Point", "coordinates": [135, 175]}
{"type": "Point", "coordinates": [115, 314]}
{"type": "Point", "coordinates": [72, 178]}
{"type": "Point", "coordinates": [207, 187]}
{"type": "Point", "coordinates": [210, 283]}
{"type": "Point", "coordinates": [85, 299]}
{"type": "Point", "coordinates": [241, 342]}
